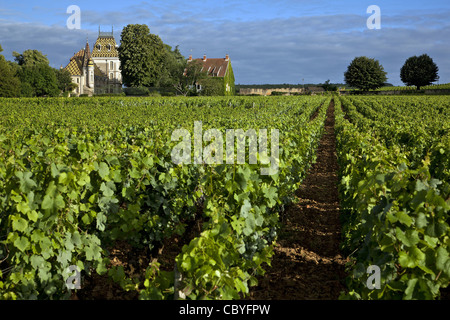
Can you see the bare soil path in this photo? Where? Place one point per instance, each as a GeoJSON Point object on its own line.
{"type": "Point", "coordinates": [307, 264]}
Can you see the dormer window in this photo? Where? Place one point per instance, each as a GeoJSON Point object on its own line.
{"type": "Point", "coordinates": [99, 47]}
{"type": "Point", "coordinates": [109, 47]}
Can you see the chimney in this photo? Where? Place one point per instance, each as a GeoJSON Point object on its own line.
{"type": "Point", "coordinates": [227, 58]}
{"type": "Point", "coordinates": [204, 57]}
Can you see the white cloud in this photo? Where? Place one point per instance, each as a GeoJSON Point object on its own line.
{"type": "Point", "coordinates": [279, 50]}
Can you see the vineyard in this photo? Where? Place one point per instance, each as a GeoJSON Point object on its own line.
{"type": "Point", "coordinates": [394, 168]}
{"type": "Point", "coordinates": [444, 86]}
{"type": "Point", "coordinates": [86, 181]}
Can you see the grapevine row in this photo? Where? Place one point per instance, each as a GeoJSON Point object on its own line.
{"type": "Point", "coordinates": [394, 190]}
{"type": "Point", "coordinates": [80, 174]}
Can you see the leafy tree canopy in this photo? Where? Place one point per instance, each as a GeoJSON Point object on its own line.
{"type": "Point", "coordinates": [327, 86]}
{"type": "Point", "coordinates": [64, 80]}
{"type": "Point", "coordinates": [173, 67]}
{"type": "Point", "coordinates": [30, 58]}
{"type": "Point", "coordinates": [141, 55]}
{"type": "Point", "coordinates": [419, 71]}
{"type": "Point", "coordinates": [38, 81]}
{"type": "Point", "coordinates": [9, 83]}
{"type": "Point", "coordinates": [365, 74]}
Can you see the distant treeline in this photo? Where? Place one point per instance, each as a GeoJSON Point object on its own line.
{"type": "Point", "coordinates": [284, 85]}
{"type": "Point", "coordinates": [327, 86]}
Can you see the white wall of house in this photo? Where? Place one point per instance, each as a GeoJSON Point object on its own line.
{"type": "Point", "coordinates": [110, 66]}
{"type": "Point", "coordinates": [78, 80]}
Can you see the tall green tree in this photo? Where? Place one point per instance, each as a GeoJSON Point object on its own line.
{"type": "Point", "coordinates": [38, 81]}
{"type": "Point", "coordinates": [64, 80]}
{"type": "Point", "coordinates": [141, 56]}
{"type": "Point", "coordinates": [30, 58]}
{"type": "Point", "coordinates": [419, 71]}
{"type": "Point", "coordinates": [365, 74]}
{"type": "Point", "coordinates": [9, 83]}
{"type": "Point", "coordinates": [172, 68]}
{"type": "Point", "coordinates": [37, 78]}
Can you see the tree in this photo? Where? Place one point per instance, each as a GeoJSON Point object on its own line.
{"type": "Point", "coordinates": [64, 80]}
{"type": "Point", "coordinates": [9, 83]}
{"type": "Point", "coordinates": [191, 76]}
{"type": "Point", "coordinates": [38, 81]}
{"type": "Point", "coordinates": [30, 58]}
{"type": "Point", "coordinates": [327, 86]}
{"type": "Point", "coordinates": [36, 76]}
{"type": "Point", "coordinates": [365, 74]}
{"type": "Point", "coordinates": [419, 71]}
{"type": "Point", "coordinates": [141, 55]}
{"type": "Point", "coordinates": [172, 68]}
{"type": "Point", "coordinates": [212, 86]}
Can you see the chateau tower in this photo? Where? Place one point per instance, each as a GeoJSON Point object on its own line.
{"type": "Point", "coordinates": [106, 57]}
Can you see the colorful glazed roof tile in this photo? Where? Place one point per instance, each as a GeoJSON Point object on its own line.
{"type": "Point", "coordinates": [105, 46]}
{"type": "Point", "coordinates": [79, 60]}
{"type": "Point", "coordinates": [75, 64]}
{"type": "Point", "coordinates": [87, 55]}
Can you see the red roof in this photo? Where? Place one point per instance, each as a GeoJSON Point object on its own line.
{"type": "Point", "coordinates": [215, 67]}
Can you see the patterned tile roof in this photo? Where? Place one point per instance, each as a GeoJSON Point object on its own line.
{"type": "Point", "coordinates": [105, 46]}
{"type": "Point", "coordinates": [87, 55]}
{"type": "Point", "coordinates": [75, 65]}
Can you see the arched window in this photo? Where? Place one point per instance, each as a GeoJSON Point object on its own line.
{"type": "Point", "coordinates": [99, 47]}
{"type": "Point", "coordinates": [112, 65]}
{"type": "Point", "coordinates": [109, 47]}
{"type": "Point", "coordinates": [111, 76]}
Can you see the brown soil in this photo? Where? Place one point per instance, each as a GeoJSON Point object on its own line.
{"type": "Point", "coordinates": [135, 262]}
{"type": "Point", "coordinates": [307, 264]}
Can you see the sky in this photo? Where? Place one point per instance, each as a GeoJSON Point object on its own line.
{"type": "Point", "coordinates": [268, 42]}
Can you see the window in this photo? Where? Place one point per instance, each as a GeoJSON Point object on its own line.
{"type": "Point", "coordinates": [99, 47]}
{"type": "Point", "coordinates": [112, 65]}
{"type": "Point", "coordinates": [111, 75]}
{"type": "Point", "coordinates": [109, 47]}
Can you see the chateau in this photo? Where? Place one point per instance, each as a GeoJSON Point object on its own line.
{"type": "Point", "coordinates": [98, 71]}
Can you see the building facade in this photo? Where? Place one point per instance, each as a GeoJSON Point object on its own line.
{"type": "Point", "coordinates": [106, 57]}
{"type": "Point", "coordinates": [220, 75]}
{"type": "Point", "coordinates": [97, 72]}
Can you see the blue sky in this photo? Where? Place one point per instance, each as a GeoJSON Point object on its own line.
{"type": "Point", "coordinates": [267, 41]}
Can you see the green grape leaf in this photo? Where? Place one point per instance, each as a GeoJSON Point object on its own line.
{"type": "Point", "coordinates": [21, 243]}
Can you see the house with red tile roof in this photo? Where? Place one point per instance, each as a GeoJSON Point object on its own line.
{"type": "Point", "coordinates": [220, 80]}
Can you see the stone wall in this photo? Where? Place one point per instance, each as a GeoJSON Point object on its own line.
{"type": "Point", "coordinates": [268, 92]}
